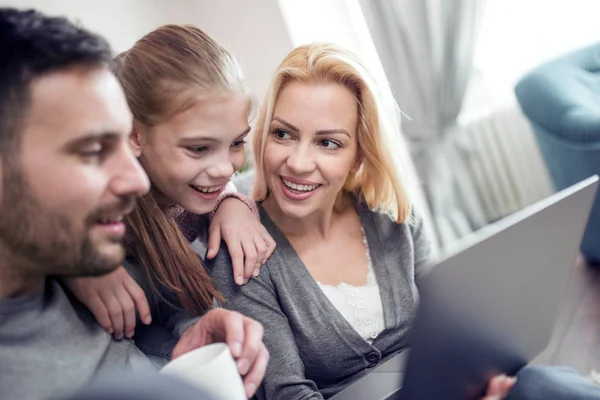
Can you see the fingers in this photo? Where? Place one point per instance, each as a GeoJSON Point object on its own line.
{"type": "Point", "coordinates": [187, 342]}
{"type": "Point", "coordinates": [257, 372]}
{"type": "Point", "coordinates": [97, 307]}
{"type": "Point", "coordinates": [139, 299]}
{"type": "Point", "coordinates": [127, 311]}
{"type": "Point", "coordinates": [495, 385]}
{"type": "Point", "coordinates": [249, 243]}
{"type": "Point", "coordinates": [237, 259]}
{"type": "Point", "coordinates": [214, 241]}
{"type": "Point", "coordinates": [498, 387]}
{"type": "Point", "coordinates": [232, 328]}
{"type": "Point", "coordinates": [265, 246]}
{"type": "Point", "coordinates": [243, 337]}
{"type": "Point", "coordinates": [269, 242]}
{"type": "Point", "coordinates": [236, 252]}
{"type": "Point", "coordinates": [113, 299]}
{"type": "Point", "coordinates": [250, 258]}
{"type": "Point", "coordinates": [255, 251]}
{"type": "Point", "coordinates": [508, 384]}
{"type": "Point", "coordinates": [252, 345]}
{"type": "Point", "coordinates": [217, 325]}
{"type": "Point", "coordinates": [252, 362]}
{"type": "Point", "coordinates": [261, 250]}
{"type": "Point", "coordinates": [115, 313]}
{"type": "Point", "coordinates": [491, 397]}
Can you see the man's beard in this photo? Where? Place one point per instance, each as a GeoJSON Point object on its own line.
{"type": "Point", "coordinates": [46, 241]}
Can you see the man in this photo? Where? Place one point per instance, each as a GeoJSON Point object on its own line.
{"type": "Point", "coordinates": [68, 178]}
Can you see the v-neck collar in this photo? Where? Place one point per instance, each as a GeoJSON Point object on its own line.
{"type": "Point", "coordinates": [318, 298]}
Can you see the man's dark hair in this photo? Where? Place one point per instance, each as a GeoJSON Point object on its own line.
{"type": "Point", "coordinates": [31, 45]}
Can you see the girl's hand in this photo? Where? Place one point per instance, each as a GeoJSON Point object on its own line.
{"type": "Point", "coordinates": [249, 243]}
{"type": "Point", "coordinates": [113, 299]}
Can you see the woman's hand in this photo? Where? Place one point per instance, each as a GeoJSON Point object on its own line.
{"type": "Point", "coordinates": [249, 243]}
{"type": "Point", "coordinates": [499, 386]}
{"type": "Point", "coordinates": [113, 299]}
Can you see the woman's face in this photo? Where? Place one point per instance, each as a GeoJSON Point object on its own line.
{"type": "Point", "coordinates": [191, 157]}
{"type": "Point", "coordinates": [312, 147]}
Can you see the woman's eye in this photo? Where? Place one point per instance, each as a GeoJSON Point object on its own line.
{"type": "Point", "coordinates": [281, 134]}
{"type": "Point", "coordinates": [330, 144]}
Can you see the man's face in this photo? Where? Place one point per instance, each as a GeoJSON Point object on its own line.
{"type": "Point", "coordinates": [72, 178]}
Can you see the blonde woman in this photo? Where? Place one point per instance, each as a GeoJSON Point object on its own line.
{"type": "Point", "coordinates": [339, 293]}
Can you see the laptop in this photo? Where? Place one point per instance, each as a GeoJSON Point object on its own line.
{"type": "Point", "coordinates": [489, 306]}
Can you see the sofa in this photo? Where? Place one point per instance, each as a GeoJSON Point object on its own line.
{"type": "Point", "coordinates": [561, 99]}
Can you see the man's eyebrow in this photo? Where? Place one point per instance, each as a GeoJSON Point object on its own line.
{"type": "Point", "coordinates": [284, 122]}
{"type": "Point", "coordinates": [91, 138]}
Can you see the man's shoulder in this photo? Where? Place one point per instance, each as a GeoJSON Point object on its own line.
{"type": "Point", "coordinates": [56, 340]}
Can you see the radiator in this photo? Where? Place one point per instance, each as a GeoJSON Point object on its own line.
{"type": "Point", "coordinates": [504, 160]}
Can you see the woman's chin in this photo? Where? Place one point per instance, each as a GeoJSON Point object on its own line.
{"type": "Point", "coordinates": [296, 211]}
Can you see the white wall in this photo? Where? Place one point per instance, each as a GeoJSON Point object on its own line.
{"type": "Point", "coordinates": [122, 22]}
{"type": "Point", "coordinates": [254, 30]}
{"type": "Point", "coordinates": [258, 32]}
{"type": "Point", "coordinates": [336, 21]}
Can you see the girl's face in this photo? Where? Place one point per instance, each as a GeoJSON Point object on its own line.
{"type": "Point", "coordinates": [191, 157]}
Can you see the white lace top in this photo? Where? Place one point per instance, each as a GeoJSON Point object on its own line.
{"type": "Point", "coordinates": [360, 305]}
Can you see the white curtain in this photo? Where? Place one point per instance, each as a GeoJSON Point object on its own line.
{"type": "Point", "coordinates": [426, 48]}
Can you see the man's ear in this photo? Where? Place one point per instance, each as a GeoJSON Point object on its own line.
{"type": "Point", "coordinates": [135, 140]}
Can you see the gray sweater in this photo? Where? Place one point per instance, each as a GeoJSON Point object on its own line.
{"type": "Point", "coordinates": [315, 352]}
{"type": "Point", "coordinates": [50, 345]}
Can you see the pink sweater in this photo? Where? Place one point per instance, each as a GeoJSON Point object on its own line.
{"type": "Point", "coordinates": [195, 226]}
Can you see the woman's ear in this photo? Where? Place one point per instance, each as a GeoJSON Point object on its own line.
{"type": "Point", "coordinates": [135, 140]}
{"type": "Point", "coordinates": [357, 163]}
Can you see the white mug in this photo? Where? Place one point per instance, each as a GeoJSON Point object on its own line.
{"type": "Point", "coordinates": [210, 368]}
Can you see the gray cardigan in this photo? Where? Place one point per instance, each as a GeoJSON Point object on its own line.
{"type": "Point", "coordinates": [314, 351]}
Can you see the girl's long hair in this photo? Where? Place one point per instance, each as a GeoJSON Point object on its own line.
{"type": "Point", "coordinates": [156, 74]}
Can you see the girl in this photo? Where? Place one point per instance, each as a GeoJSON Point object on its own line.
{"type": "Point", "coordinates": [191, 110]}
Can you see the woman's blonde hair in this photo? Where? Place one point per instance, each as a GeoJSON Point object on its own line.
{"type": "Point", "coordinates": [378, 181]}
